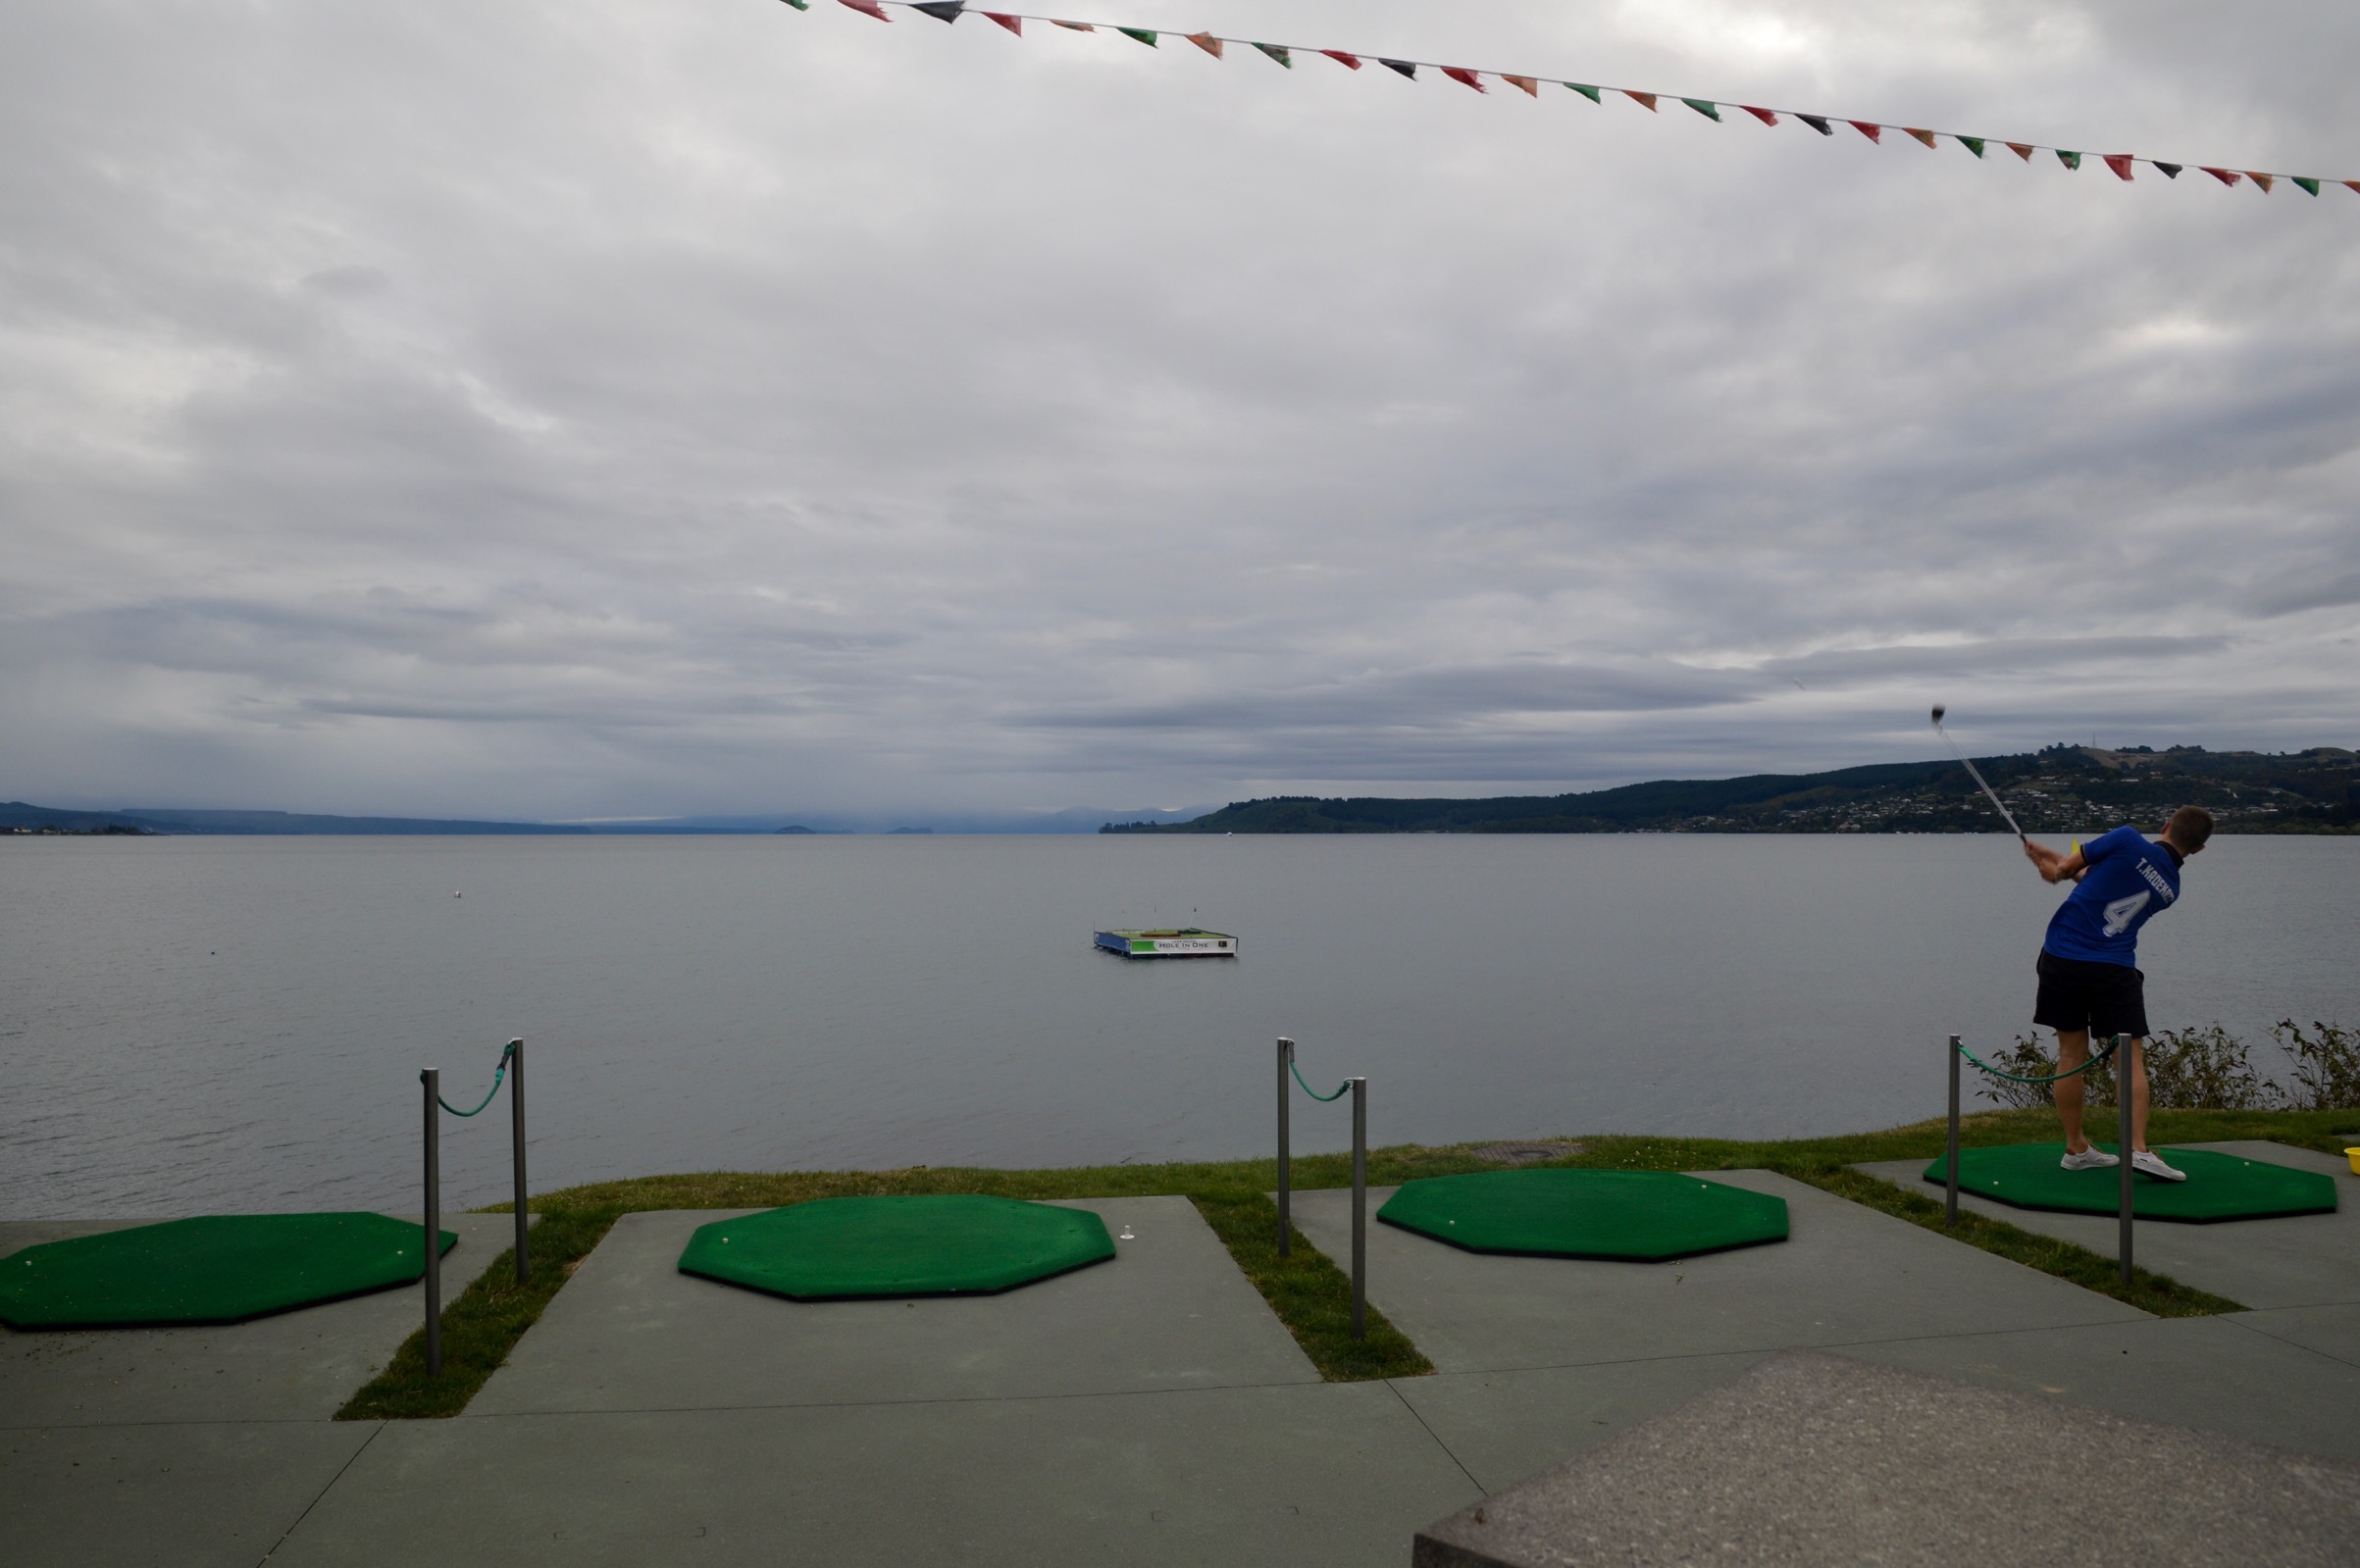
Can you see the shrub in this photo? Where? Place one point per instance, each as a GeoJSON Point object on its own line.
{"type": "Point", "coordinates": [2327, 1070]}
{"type": "Point", "coordinates": [2206, 1069]}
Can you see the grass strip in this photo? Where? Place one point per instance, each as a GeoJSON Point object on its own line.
{"type": "Point", "coordinates": [1312, 1297]}
{"type": "Point", "coordinates": [483, 1325]}
{"type": "Point", "coordinates": [1309, 1293]}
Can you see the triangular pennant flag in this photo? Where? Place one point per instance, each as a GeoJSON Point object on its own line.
{"type": "Point", "coordinates": [1207, 43]}
{"type": "Point", "coordinates": [1818, 122]}
{"type": "Point", "coordinates": [1645, 100]}
{"type": "Point", "coordinates": [1868, 129]}
{"type": "Point", "coordinates": [1768, 117]}
{"type": "Point", "coordinates": [1974, 144]}
{"type": "Point", "coordinates": [1079, 27]}
{"type": "Point", "coordinates": [2169, 171]}
{"type": "Point", "coordinates": [941, 10]}
{"type": "Point", "coordinates": [1464, 78]}
{"type": "Point", "coordinates": [1704, 106]}
{"type": "Point", "coordinates": [1531, 84]}
{"type": "Point", "coordinates": [2023, 149]}
{"type": "Point", "coordinates": [1925, 136]}
{"type": "Point", "coordinates": [2119, 162]}
{"type": "Point", "coordinates": [1014, 24]}
{"type": "Point", "coordinates": [868, 8]}
{"type": "Point", "coordinates": [2226, 176]}
{"type": "Point", "coordinates": [2354, 185]}
{"type": "Point", "coordinates": [1408, 68]}
{"type": "Point", "coordinates": [1277, 52]}
{"type": "Point", "coordinates": [1342, 59]}
{"type": "Point", "coordinates": [2070, 160]}
{"type": "Point", "coordinates": [2306, 182]}
{"type": "Point", "coordinates": [1140, 33]}
{"type": "Point", "coordinates": [1588, 92]}
{"type": "Point", "coordinates": [800, 5]}
{"type": "Point", "coordinates": [2263, 180]}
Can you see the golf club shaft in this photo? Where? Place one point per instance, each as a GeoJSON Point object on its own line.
{"type": "Point", "coordinates": [1976, 776]}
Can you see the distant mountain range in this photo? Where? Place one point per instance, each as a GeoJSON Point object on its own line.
{"type": "Point", "coordinates": [16, 816]}
{"type": "Point", "coordinates": [2060, 789]}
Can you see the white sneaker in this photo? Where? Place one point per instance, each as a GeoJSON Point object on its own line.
{"type": "Point", "coordinates": [2092, 1158]}
{"type": "Point", "coordinates": [2151, 1163]}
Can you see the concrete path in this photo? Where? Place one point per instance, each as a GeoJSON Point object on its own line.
{"type": "Point", "coordinates": [1538, 1356]}
{"type": "Point", "coordinates": [1146, 1410]}
{"type": "Point", "coordinates": [194, 1446]}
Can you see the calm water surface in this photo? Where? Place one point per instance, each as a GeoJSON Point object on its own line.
{"type": "Point", "coordinates": [226, 1024]}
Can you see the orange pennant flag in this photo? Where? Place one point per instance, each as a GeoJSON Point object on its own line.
{"type": "Point", "coordinates": [2023, 150]}
{"type": "Point", "coordinates": [1925, 136]}
{"type": "Point", "coordinates": [1531, 84]}
{"type": "Point", "coordinates": [1870, 129]}
{"type": "Point", "coordinates": [2119, 162]}
{"type": "Point", "coordinates": [2263, 180]}
{"type": "Point", "coordinates": [1768, 117]}
{"type": "Point", "coordinates": [2226, 176]}
{"type": "Point", "coordinates": [1645, 100]}
{"type": "Point", "coordinates": [1464, 78]}
{"type": "Point", "coordinates": [1207, 43]}
{"type": "Point", "coordinates": [1077, 27]}
{"type": "Point", "coordinates": [2354, 185]}
{"type": "Point", "coordinates": [1014, 24]}
{"type": "Point", "coordinates": [869, 8]}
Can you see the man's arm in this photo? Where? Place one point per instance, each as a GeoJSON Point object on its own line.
{"type": "Point", "coordinates": [2052, 865]}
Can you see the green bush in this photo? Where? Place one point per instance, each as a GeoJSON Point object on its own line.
{"type": "Point", "coordinates": [2327, 1070]}
{"type": "Point", "coordinates": [2203, 1068]}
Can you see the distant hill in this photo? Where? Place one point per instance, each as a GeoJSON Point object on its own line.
{"type": "Point", "coordinates": [2060, 789]}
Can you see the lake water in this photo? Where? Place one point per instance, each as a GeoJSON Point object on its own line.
{"type": "Point", "coordinates": [226, 1024]}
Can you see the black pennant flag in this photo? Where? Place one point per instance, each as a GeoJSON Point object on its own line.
{"type": "Point", "coordinates": [1406, 66]}
{"type": "Point", "coordinates": [941, 10]}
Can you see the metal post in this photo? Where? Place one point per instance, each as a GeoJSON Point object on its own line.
{"type": "Point", "coordinates": [1950, 1213]}
{"type": "Point", "coordinates": [431, 1078]}
{"type": "Point", "coordinates": [516, 1114]}
{"type": "Point", "coordinates": [2122, 1093]}
{"type": "Point", "coordinates": [1286, 1222]}
{"type": "Point", "coordinates": [1360, 1208]}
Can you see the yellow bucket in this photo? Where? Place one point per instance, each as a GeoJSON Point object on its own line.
{"type": "Point", "coordinates": [2353, 1154]}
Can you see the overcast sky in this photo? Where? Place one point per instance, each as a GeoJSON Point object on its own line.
{"type": "Point", "coordinates": [615, 407]}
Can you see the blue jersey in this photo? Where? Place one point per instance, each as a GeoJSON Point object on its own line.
{"type": "Point", "coordinates": [2130, 879]}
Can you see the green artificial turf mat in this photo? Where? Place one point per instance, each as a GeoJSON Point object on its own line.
{"type": "Point", "coordinates": [2220, 1186]}
{"type": "Point", "coordinates": [1643, 1215]}
{"type": "Point", "coordinates": [895, 1246]}
{"type": "Point", "coordinates": [218, 1269]}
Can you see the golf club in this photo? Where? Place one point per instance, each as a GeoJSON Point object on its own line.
{"type": "Point", "coordinates": [1977, 777]}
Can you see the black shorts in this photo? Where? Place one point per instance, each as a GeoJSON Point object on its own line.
{"type": "Point", "coordinates": [2106, 999]}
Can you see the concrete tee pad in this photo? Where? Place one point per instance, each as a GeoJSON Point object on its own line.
{"type": "Point", "coordinates": [292, 1366]}
{"type": "Point", "coordinates": [1813, 1459]}
{"type": "Point", "coordinates": [631, 1331]}
{"type": "Point", "coordinates": [2302, 1260]}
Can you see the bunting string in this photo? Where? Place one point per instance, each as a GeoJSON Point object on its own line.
{"type": "Point", "coordinates": [2120, 164]}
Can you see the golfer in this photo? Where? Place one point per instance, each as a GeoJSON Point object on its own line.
{"type": "Point", "coordinates": [2089, 978]}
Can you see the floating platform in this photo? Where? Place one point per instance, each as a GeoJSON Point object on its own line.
{"type": "Point", "coordinates": [1185, 942]}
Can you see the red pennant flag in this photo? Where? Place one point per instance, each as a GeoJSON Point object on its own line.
{"type": "Point", "coordinates": [1531, 84]}
{"type": "Point", "coordinates": [2354, 185]}
{"type": "Point", "coordinates": [2023, 150]}
{"type": "Point", "coordinates": [1342, 59]}
{"type": "Point", "coordinates": [1868, 129]}
{"type": "Point", "coordinates": [1925, 136]}
{"type": "Point", "coordinates": [1768, 117]}
{"type": "Point", "coordinates": [2262, 181]}
{"type": "Point", "coordinates": [1464, 78]}
{"type": "Point", "coordinates": [2226, 176]}
{"type": "Point", "coordinates": [2119, 162]}
{"type": "Point", "coordinates": [1014, 24]}
{"type": "Point", "coordinates": [869, 8]}
{"type": "Point", "coordinates": [1645, 100]}
{"type": "Point", "coordinates": [1207, 43]}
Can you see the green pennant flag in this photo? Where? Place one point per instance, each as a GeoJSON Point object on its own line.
{"type": "Point", "coordinates": [1590, 93]}
{"type": "Point", "coordinates": [1277, 52]}
{"type": "Point", "coordinates": [2306, 182]}
{"type": "Point", "coordinates": [1704, 106]}
{"type": "Point", "coordinates": [800, 5]}
{"type": "Point", "coordinates": [1974, 144]}
{"type": "Point", "coordinates": [2070, 160]}
{"type": "Point", "coordinates": [1140, 33]}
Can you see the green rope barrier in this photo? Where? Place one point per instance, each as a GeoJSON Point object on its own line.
{"type": "Point", "coordinates": [497, 1073]}
{"type": "Point", "coordinates": [2051, 1079]}
{"type": "Point", "coordinates": [1312, 1092]}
